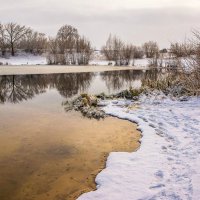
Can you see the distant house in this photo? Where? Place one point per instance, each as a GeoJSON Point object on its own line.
{"type": "Point", "coordinates": [164, 53]}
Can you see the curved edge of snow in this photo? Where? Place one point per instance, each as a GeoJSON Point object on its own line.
{"type": "Point", "coordinates": [166, 166]}
{"type": "Point", "coordinates": [123, 176]}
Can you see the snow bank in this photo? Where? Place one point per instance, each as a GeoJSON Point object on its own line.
{"type": "Point", "coordinates": [24, 59]}
{"type": "Point", "coordinates": [167, 165]}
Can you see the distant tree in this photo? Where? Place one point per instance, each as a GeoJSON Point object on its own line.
{"type": "Point", "coordinates": [127, 54]}
{"type": "Point", "coordinates": [13, 34]}
{"type": "Point", "coordinates": [151, 49]}
{"type": "Point", "coordinates": [84, 50]}
{"type": "Point", "coordinates": [119, 52]}
{"type": "Point", "coordinates": [3, 43]}
{"type": "Point", "coordinates": [52, 48]}
{"type": "Point", "coordinates": [67, 36]}
{"type": "Point", "coordinates": [138, 52]}
{"type": "Point", "coordinates": [41, 42]}
{"type": "Point", "coordinates": [113, 49]}
{"type": "Point", "coordinates": [182, 49]}
{"type": "Point", "coordinates": [108, 49]}
{"type": "Point", "coordinates": [53, 45]}
{"type": "Point", "coordinates": [69, 47]}
{"type": "Point", "coordinates": [34, 42]}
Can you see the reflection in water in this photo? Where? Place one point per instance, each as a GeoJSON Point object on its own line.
{"type": "Point", "coordinates": [17, 88]}
{"type": "Point", "coordinates": [71, 84]}
{"type": "Point", "coordinates": [47, 153]}
{"type": "Point", "coordinates": [154, 77]}
{"type": "Point", "coordinates": [116, 79]}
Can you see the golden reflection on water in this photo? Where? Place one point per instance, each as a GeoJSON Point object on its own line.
{"type": "Point", "coordinates": [55, 155]}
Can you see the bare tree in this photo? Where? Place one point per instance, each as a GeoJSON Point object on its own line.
{"type": "Point", "coordinates": [13, 34]}
{"type": "Point", "coordinates": [3, 43]}
{"type": "Point", "coordinates": [113, 49]}
{"type": "Point", "coordinates": [69, 48]}
{"type": "Point", "coordinates": [108, 49]}
{"type": "Point", "coordinates": [182, 49]}
{"type": "Point", "coordinates": [151, 49]}
{"type": "Point", "coordinates": [127, 54]}
{"type": "Point", "coordinates": [118, 48]}
{"type": "Point", "coordinates": [40, 43]}
{"type": "Point", "coordinates": [138, 52]}
{"type": "Point", "coordinates": [84, 50]}
{"type": "Point", "coordinates": [67, 36]}
{"type": "Point", "coordinates": [52, 56]}
{"type": "Point", "coordinates": [34, 42]}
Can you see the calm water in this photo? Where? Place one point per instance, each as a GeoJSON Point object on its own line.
{"type": "Point", "coordinates": [47, 153]}
{"type": "Point", "coordinates": [17, 88]}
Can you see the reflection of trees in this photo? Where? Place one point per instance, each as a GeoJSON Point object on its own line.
{"type": "Point", "coordinates": [117, 79]}
{"type": "Point", "coordinates": [70, 84]}
{"type": "Point", "coordinates": [17, 88]}
{"type": "Point", "coordinates": [156, 78]}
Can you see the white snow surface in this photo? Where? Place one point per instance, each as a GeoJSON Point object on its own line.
{"type": "Point", "coordinates": [100, 62]}
{"type": "Point", "coordinates": [167, 164]}
{"type": "Point", "coordinates": [144, 62]}
{"type": "Point", "coordinates": [24, 59]}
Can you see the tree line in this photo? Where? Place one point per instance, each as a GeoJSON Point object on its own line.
{"type": "Point", "coordinates": [70, 48]}
{"type": "Point", "coordinates": [14, 36]}
{"type": "Point", "coordinates": [122, 54]}
{"type": "Point", "coordinates": [67, 47]}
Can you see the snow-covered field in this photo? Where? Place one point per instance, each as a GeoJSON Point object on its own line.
{"type": "Point", "coordinates": [137, 62]}
{"type": "Point", "coordinates": [141, 62]}
{"type": "Point", "coordinates": [167, 165]}
{"type": "Point", "coordinates": [24, 59]}
{"type": "Point", "coordinates": [30, 59]}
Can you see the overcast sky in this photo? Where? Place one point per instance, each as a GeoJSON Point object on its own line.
{"type": "Point", "coordinates": [133, 21]}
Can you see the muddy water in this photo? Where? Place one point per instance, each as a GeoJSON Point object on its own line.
{"type": "Point", "coordinates": [46, 153]}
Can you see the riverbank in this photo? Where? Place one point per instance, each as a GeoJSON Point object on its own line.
{"type": "Point", "coordinates": [166, 166]}
{"type": "Point", "coordinates": [41, 160]}
{"type": "Point", "coordinates": [58, 69]}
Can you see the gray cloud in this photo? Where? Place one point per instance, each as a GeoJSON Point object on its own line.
{"type": "Point", "coordinates": [137, 25]}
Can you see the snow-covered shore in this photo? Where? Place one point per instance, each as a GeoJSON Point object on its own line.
{"type": "Point", "coordinates": [167, 165]}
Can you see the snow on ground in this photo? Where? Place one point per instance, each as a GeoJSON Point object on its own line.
{"type": "Point", "coordinates": [30, 59]}
{"type": "Point", "coordinates": [100, 62]}
{"type": "Point", "coordinates": [137, 62]}
{"type": "Point", "coordinates": [167, 165]}
{"type": "Point", "coordinates": [141, 62]}
{"type": "Point", "coordinates": [24, 59]}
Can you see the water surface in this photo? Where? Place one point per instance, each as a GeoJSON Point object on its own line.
{"type": "Point", "coordinates": [47, 153]}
